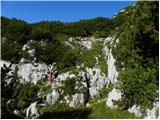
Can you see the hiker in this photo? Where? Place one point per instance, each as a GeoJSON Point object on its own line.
{"type": "Point", "coordinates": [53, 74]}
{"type": "Point", "coordinates": [50, 75]}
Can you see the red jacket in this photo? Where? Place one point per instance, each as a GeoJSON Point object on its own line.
{"type": "Point", "coordinates": [50, 76]}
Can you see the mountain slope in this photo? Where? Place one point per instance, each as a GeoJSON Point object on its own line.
{"type": "Point", "coordinates": [105, 70]}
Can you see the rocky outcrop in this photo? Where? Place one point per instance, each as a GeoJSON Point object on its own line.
{"type": "Point", "coordinates": [32, 55]}
{"type": "Point", "coordinates": [84, 42]}
{"type": "Point", "coordinates": [96, 78]}
{"type": "Point", "coordinates": [136, 110]}
{"type": "Point", "coordinates": [149, 113]}
{"type": "Point", "coordinates": [32, 111]}
{"type": "Point", "coordinates": [64, 76]}
{"type": "Point", "coordinates": [27, 72]}
{"type": "Point", "coordinates": [77, 99]}
{"type": "Point", "coordinates": [112, 72]}
{"type": "Point", "coordinates": [154, 112]}
{"type": "Point", "coordinates": [113, 95]}
{"type": "Point", "coordinates": [52, 98]}
{"type": "Point", "coordinates": [31, 52]}
{"type": "Point", "coordinates": [31, 73]}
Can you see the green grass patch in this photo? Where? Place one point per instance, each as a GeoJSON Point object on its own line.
{"type": "Point", "coordinates": [88, 57]}
{"type": "Point", "coordinates": [64, 112]}
{"type": "Point", "coordinates": [96, 110]}
{"type": "Point", "coordinates": [100, 111]}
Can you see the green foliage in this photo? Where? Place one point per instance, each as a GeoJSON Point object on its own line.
{"type": "Point", "coordinates": [63, 111]}
{"type": "Point", "coordinates": [69, 87]}
{"type": "Point", "coordinates": [41, 82]}
{"type": "Point", "coordinates": [138, 81]}
{"type": "Point", "coordinates": [15, 30]}
{"type": "Point", "coordinates": [94, 111]}
{"type": "Point", "coordinates": [88, 57]}
{"type": "Point", "coordinates": [25, 96]}
{"type": "Point", "coordinates": [11, 52]}
{"type": "Point", "coordinates": [45, 29]}
{"type": "Point", "coordinates": [54, 51]}
{"type": "Point", "coordinates": [53, 33]}
{"type": "Point", "coordinates": [122, 17]}
{"type": "Point", "coordinates": [157, 112]}
{"type": "Point", "coordinates": [25, 55]}
{"type": "Point", "coordinates": [47, 89]}
{"type": "Point", "coordinates": [136, 55]}
{"type": "Point", "coordinates": [62, 37]}
{"type": "Point", "coordinates": [102, 64]}
{"type": "Point", "coordinates": [104, 91]}
{"type": "Point", "coordinates": [16, 95]}
{"type": "Point", "coordinates": [101, 34]}
{"type": "Point", "coordinates": [38, 33]}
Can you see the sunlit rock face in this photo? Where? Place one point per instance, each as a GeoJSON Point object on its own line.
{"type": "Point", "coordinates": [32, 111]}
{"type": "Point", "coordinates": [96, 78]}
{"type": "Point", "coordinates": [52, 98]}
{"type": "Point", "coordinates": [77, 99]}
{"type": "Point", "coordinates": [31, 73]}
{"type": "Point", "coordinates": [112, 72]}
{"type": "Point", "coordinates": [65, 76]}
{"type": "Point", "coordinates": [26, 72]}
{"type": "Point", "coordinates": [31, 52]}
{"type": "Point", "coordinates": [149, 113]}
{"type": "Point", "coordinates": [113, 95]}
{"type": "Point", "coordinates": [136, 110]}
{"type": "Point", "coordinates": [32, 55]}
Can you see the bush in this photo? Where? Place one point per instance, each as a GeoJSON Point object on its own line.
{"type": "Point", "coordinates": [104, 91]}
{"type": "Point", "coordinates": [69, 87]}
{"type": "Point", "coordinates": [47, 89]}
{"type": "Point", "coordinates": [101, 34]}
{"type": "Point", "coordinates": [141, 86]}
{"type": "Point", "coordinates": [136, 62]}
{"type": "Point", "coordinates": [88, 57]}
{"type": "Point", "coordinates": [11, 52]}
{"type": "Point", "coordinates": [27, 95]}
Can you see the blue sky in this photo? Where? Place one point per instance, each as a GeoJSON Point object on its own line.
{"type": "Point", "coordinates": [35, 11]}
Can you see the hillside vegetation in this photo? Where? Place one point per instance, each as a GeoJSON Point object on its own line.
{"type": "Point", "coordinates": [78, 49]}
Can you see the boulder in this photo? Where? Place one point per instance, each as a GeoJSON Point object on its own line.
{"type": "Point", "coordinates": [113, 95]}
{"type": "Point", "coordinates": [32, 111]}
{"type": "Point", "coordinates": [52, 98]}
{"type": "Point", "coordinates": [136, 110]}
